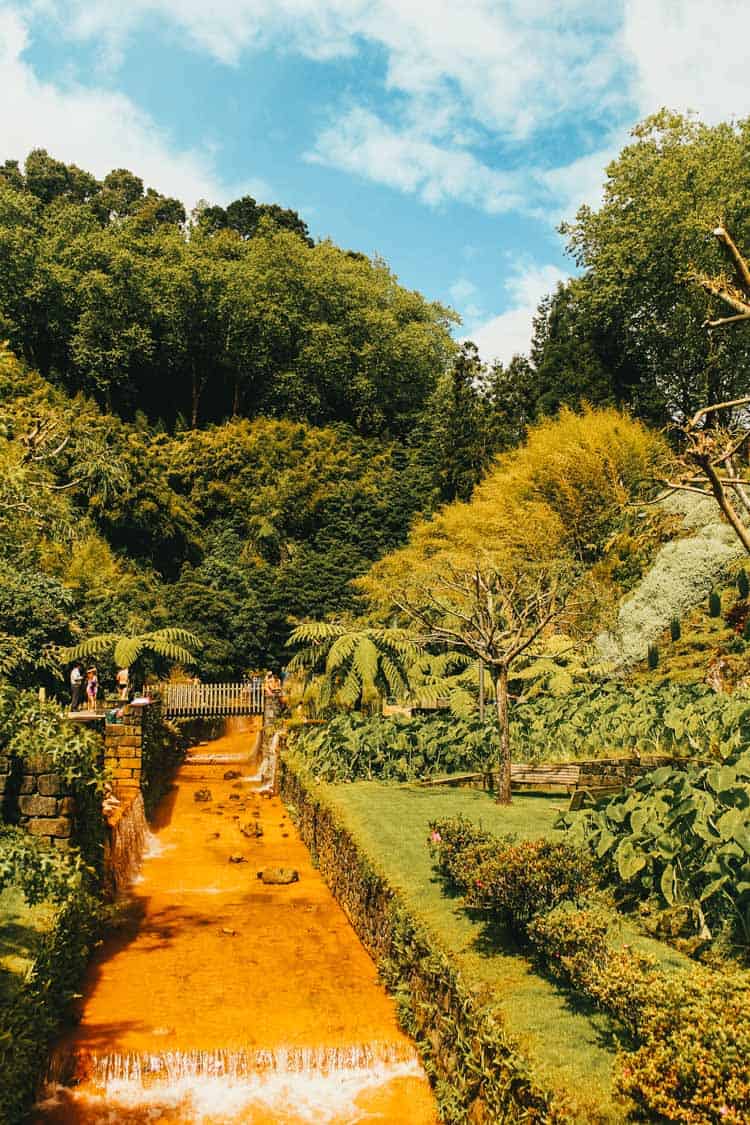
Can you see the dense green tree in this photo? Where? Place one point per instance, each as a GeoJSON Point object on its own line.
{"type": "Point", "coordinates": [107, 289]}
{"type": "Point", "coordinates": [566, 354]}
{"type": "Point", "coordinates": [663, 195]}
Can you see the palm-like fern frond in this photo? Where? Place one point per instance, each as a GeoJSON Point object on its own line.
{"type": "Point", "coordinates": [178, 645]}
{"type": "Point", "coordinates": [354, 665]}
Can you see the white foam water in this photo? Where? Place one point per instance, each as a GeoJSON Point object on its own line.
{"type": "Point", "coordinates": [280, 1097]}
{"type": "Point", "coordinates": [320, 1085]}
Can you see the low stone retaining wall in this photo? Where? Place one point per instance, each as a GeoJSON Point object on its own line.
{"type": "Point", "coordinates": [46, 806]}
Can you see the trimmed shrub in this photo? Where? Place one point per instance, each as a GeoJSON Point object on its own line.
{"type": "Point", "coordinates": [511, 880]}
{"type": "Point", "coordinates": [457, 845]}
{"type": "Point", "coordinates": [743, 584]}
{"type": "Point", "coordinates": [653, 657]}
{"type": "Point", "coordinates": [675, 629]}
{"type": "Point", "coordinates": [714, 604]}
{"type": "Point", "coordinates": [692, 1064]}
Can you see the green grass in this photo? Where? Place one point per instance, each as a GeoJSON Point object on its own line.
{"type": "Point", "coordinates": [572, 1046]}
{"type": "Point", "coordinates": [22, 928]}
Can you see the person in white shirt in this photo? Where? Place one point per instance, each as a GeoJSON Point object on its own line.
{"type": "Point", "coordinates": [76, 686]}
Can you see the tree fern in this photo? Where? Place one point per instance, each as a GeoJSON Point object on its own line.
{"type": "Point", "coordinates": [175, 644]}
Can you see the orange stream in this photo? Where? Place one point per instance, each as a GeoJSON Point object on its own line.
{"type": "Point", "coordinates": [209, 959]}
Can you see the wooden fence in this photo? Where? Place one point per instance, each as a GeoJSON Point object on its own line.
{"type": "Point", "coordinates": [187, 699]}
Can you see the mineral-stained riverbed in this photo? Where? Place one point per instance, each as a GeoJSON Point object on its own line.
{"type": "Point", "coordinates": [218, 998]}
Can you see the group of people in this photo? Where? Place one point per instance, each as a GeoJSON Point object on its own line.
{"type": "Point", "coordinates": [84, 686]}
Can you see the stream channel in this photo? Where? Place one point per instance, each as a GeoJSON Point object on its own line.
{"type": "Point", "coordinates": [219, 999]}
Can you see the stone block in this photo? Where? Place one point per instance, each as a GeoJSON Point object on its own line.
{"type": "Point", "coordinates": [50, 785]}
{"type": "Point", "coordinates": [61, 844]}
{"type": "Point", "coordinates": [119, 773]}
{"type": "Point", "coordinates": [130, 763]}
{"type": "Point", "coordinates": [39, 827]}
{"type": "Point", "coordinates": [60, 827]}
{"type": "Point", "coordinates": [28, 784]}
{"type": "Point", "coordinates": [4, 763]}
{"type": "Point", "coordinates": [37, 806]}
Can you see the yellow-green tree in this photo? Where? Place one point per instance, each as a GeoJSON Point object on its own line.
{"type": "Point", "coordinates": [496, 576]}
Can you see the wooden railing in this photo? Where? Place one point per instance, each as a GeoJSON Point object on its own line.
{"type": "Point", "coordinates": [186, 699]}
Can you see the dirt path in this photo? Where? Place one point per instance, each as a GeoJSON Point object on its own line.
{"type": "Point", "coordinates": [221, 999]}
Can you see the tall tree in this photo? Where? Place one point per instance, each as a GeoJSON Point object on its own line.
{"type": "Point", "coordinates": [663, 192]}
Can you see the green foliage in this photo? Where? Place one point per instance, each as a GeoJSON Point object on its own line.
{"type": "Point", "coordinates": [37, 870]}
{"type": "Point", "coordinates": [33, 1013]}
{"type": "Point", "coordinates": [680, 837]}
{"type": "Point", "coordinates": [743, 583]}
{"type": "Point", "coordinates": [609, 718]}
{"type": "Point", "coordinates": [351, 747]}
{"type": "Point", "coordinates": [643, 324]}
{"type": "Point", "coordinates": [361, 666]}
{"type": "Point", "coordinates": [714, 604]}
{"type": "Point", "coordinates": [675, 629]}
{"type": "Point", "coordinates": [653, 656]}
{"type": "Point", "coordinates": [234, 313]}
{"type": "Point", "coordinates": [37, 730]}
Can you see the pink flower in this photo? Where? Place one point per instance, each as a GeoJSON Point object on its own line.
{"type": "Point", "coordinates": [436, 837]}
{"type": "Point", "coordinates": [724, 1111]}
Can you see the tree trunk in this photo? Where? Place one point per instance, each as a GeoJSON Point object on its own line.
{"type": "Point", "coordinates": [501, 700]}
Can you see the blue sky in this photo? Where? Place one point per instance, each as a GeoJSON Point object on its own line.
{"type": "Point", "coordinates": [450, 138]}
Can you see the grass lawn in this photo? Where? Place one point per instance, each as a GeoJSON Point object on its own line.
{"type": "Point", "coordinates": [572, 1045]}
{"type": "Point", "coordinates": [21, 929]}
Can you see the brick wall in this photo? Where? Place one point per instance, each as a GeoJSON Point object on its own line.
{"type": "Point", "coordinates": [123, 752]}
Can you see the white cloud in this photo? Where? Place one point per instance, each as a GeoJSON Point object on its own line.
{"type": "Point", "coordinates": [95, 128]}
{"type": "Point", "coordinates": [689, 55]}
{"type": "Point", "coordinates": [509, 66]}
{"type": "Point", "coordinates": [509, 334]}
{"type": "Point", "coordinates": [362, 143]}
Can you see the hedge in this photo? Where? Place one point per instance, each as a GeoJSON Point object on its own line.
{"type": "Point", "coordinates": [478, 1071]}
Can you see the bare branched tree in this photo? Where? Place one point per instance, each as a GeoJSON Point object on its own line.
{"type": "Point", "coordinates": [494, 617]}
{"type": "Point", "coordinates": [716, 437]}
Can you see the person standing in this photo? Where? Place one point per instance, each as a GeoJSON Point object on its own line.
{"type": "Point", "coordinates": [122, 679]}
{"type": "Point", "coordinates": [76, 686]}
{"type": "Point", "coordinates": [92, 688]}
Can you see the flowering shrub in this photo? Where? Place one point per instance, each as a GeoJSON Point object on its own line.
{"type": "Point", "coordinates": [520, 880]}
{"type": "Point", "coordinates": [571, 940]}
{"type": "Point", "coordinates": [457, 846]}
{"type": "Point", "coordinates": [692, 1064]}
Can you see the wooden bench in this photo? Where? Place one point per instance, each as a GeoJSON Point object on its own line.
{"type": "Point", "coordinates": [550, 777]}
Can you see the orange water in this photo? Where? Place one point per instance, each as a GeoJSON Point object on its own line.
{"type": "Point", "coordinates": [221, 999]}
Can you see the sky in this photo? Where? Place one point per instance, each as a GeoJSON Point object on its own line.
{"type": "Point", "coordinates": [450, 138]}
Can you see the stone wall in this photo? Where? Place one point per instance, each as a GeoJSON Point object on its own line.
{"type": "Point", "coordinates": [46, 807]}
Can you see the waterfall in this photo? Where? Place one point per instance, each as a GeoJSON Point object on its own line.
{"type": "Point", "coordinates": [174, 1066]}
{"type": "Point", "coordinates": [319, 1085]}
{"type": "Point", "coordinates": [129, 838]}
